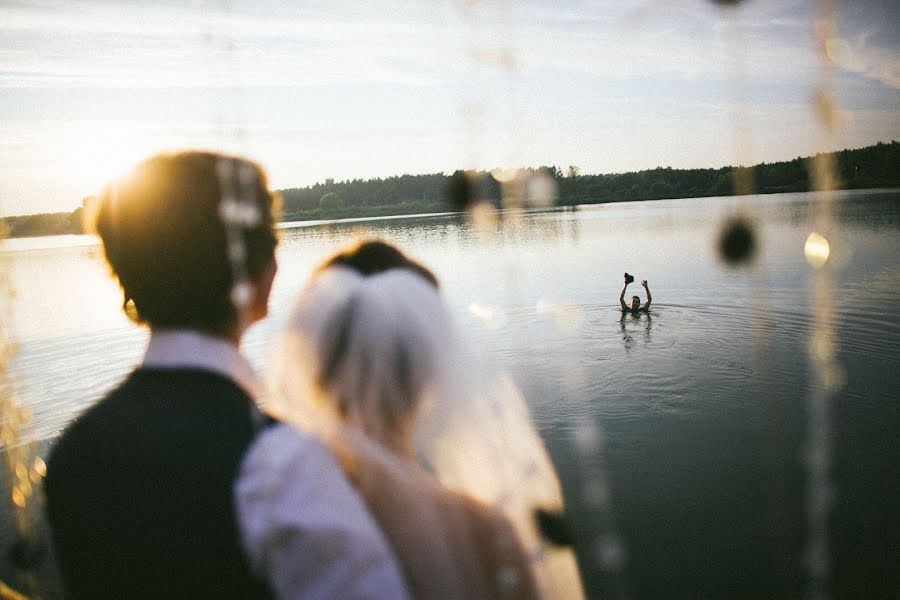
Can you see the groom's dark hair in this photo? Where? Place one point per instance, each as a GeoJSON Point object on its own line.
{"type": "Point", "coordinates": [166, 241]}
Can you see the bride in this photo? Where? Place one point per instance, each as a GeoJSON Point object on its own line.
{"type": "Point", "coordinates": [447, 462]}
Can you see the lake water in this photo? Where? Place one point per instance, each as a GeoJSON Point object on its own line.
{"type": "Point", "coordinates": [701, 406]}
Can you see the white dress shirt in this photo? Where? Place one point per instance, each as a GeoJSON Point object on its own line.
{"type": "Point", "coordinates": [303, 527]}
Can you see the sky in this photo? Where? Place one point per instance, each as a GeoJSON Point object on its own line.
{"type": "Point", "coordinates": [327, 89]}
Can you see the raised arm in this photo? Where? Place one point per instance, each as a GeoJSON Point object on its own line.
{"type": "Point", "coordinates": [649, 297]}
{"type": "Point", "coordinates": [622, 297]}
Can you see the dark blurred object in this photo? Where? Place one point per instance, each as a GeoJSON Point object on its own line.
{"type": "Point", "coordinates": [25, 553]}
{"type": "Point", "coordinates": [629, 278]}
{"type": "Point", "coordinates": [727, 2]}
{"type": "Point", "coordinates": [737, 242]}
{"type": "Point", "coordinates": [554, 527]}
{"type": "Point", "coordinates": [462, 191]}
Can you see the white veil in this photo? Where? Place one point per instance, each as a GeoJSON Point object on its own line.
{"type": "Point", "coordinates": [472, 430]}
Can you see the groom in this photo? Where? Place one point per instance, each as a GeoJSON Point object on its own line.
{"type": "Point", "coordinates": [173, 485]}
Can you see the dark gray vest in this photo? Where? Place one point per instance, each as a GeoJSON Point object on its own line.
{"type": "Point", "coordinates": [140, 490]}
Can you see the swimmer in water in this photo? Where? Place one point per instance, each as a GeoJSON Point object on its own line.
{"type": "Point", "coordinates": [635, 307]}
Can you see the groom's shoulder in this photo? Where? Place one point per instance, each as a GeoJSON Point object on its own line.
{"type": "Point", "coordinates": [148, 400]}
{"type": "Point", "coordinates": [87, 423]}
{"type": "Point", "coordinates": [145, 391]}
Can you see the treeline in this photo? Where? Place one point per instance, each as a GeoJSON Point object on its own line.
{"type": "Point", "coordinates": [43, 224]}
{"type": "Point", "coordinates": [869, 167]}
{"type": "Point", "coordinates": [366, 197]}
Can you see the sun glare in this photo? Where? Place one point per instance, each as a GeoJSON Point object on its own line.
{"type": "Point", "coordinates": [817, 250]}
{"type": "Point", "coordinates": [106, 151]}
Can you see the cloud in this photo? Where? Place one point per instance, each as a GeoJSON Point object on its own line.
{"type": "Point", "coordinates": [404, 44]}
{"type": "Point", "coordinates": [383, 86]}
{"type": "Point", "coordinates": [859, 55]}
{"type": "Point", "coordinates": [108, 45]}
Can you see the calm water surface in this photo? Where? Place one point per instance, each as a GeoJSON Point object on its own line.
{"type": "Point", "coordinates": [701, 405]}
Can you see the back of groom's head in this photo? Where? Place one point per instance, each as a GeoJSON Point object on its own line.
{"type": "Point", "coordinates": [166, 240]}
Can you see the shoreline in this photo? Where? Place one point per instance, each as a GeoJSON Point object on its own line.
{"type": "Point", "coordinates": [315, 217]}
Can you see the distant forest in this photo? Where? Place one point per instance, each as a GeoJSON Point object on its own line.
{"type": "Point", "coordinates": [875, 166]}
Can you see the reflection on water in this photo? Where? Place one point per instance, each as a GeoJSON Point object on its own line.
{"type": "Point", "coordinates": [701, 403]}
{"type": "Point", "coordinates": [628, 332]}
